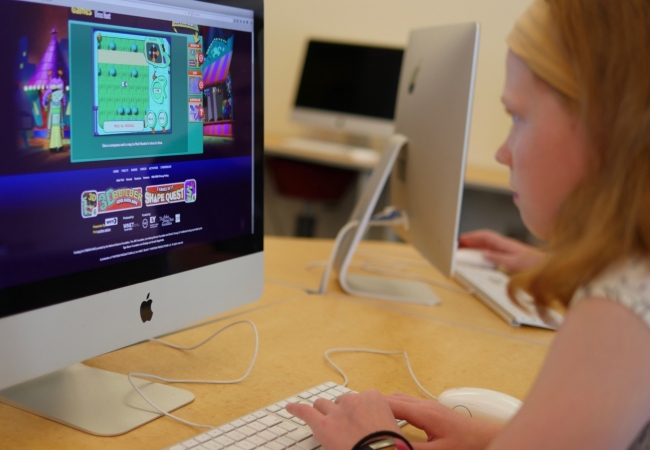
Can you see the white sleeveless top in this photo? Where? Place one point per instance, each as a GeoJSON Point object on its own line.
{"type": "Point", "coordinates": [629, 285]}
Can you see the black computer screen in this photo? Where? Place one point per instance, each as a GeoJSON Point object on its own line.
{"type": "Point", "coordinates": [351, 79]}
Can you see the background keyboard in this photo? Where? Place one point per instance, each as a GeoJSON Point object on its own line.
{"type": "Point", "coordinates": [491, 287]}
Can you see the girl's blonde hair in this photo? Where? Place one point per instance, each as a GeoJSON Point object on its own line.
{"type": "Point", "coordinates": [607, 217]}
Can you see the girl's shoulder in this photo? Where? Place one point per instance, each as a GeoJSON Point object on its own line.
{"type": "Point", "coordinates": [627, 283]}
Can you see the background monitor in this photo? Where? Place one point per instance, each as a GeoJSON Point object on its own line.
{"type": "Point", "coordinates": [349, 87]}
{"type": "Point", "coordinates": [425, 159]}
{"type": "Point", "coordinates": [434, 111]}
{"type": "Point", "coordinates": [132, 149]}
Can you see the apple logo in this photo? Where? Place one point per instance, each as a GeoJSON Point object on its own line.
{"type": "Point", "coordinates": [145, 309]}
{"type": "Point", "coordinates": [414, 76]}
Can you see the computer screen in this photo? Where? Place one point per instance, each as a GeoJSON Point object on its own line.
{"type": "Point", "coordinates": [349, 87]}
{"type": "Point", "coordinates": [132, 175]}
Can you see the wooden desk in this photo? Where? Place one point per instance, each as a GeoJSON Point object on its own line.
{"type": "Point", "coordinates": [459, 343]}
{"type": "Point", "coordinates": [475, 176]}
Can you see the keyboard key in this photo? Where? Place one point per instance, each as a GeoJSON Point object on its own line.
{"type": "Point", "coordinates": [299, 421]}
{"type": "Point", "coordinates": [224, 440]}
{"type": "Point", "coordinates": [284, 414]}
{"type": "Point", "coordinates": [203, 437]}
{"type": "Point", "coordinates": [267, 435]}
{"type": "Point", "coordinates": [283, 404]}
{"type": "Point", "coordinates": [305, 395]}
{"type": "Point", "coordinates": [238, 423]}
{"type": "Point", "coordinates": [335, 392]}
{"type": "Point", "coordinates": [246, 445]}
{"type": "Point", "coordinates": [212, 445]}
{"type": "Point", "coordinates": [326, 396]}
{"type": "Point", "coordinates": [216, 432]}
{"type": "Point", "coordinates": [329, 384]}
{"type": "Point", "coordinates": [274, 446]}
{"type": "Point", "coordinates": [250, 418]}
{"type": "Point", "coordinates": [191, 443]}
{"type": "Point", "coordinates": [270, 421]}
{"type": "Point", "coordinates": [286, 442]}
{"type": "Point", "coordinates": [257, 440]}
{"type": "Point", "coordinates": [178, 447]}
{"type": "Point", "coordinates": [248, 431]}
{"type": "Point", "coordinates": [300, 434]}
{"type": "Point", "coordinates": [314, 391]}
{"type": "Point", "coordinates": [309, 444]}
{"type": "Point", "coordinates": [278, 431]}
{"type": "Point", "coordinates": [260, 414]}
{"type": "Point", "coordinates": [293, 400]}
{"type": "Point", "coordinates": [226, 428]}
{"type": "Point", "coordinates": [236, 436]}
{"type": "Point", "coordinates": [273, 408]}
{"type": "Point", "coordinates": [257, 426]}
{"type": "Point", "coordinates": [288, 426]}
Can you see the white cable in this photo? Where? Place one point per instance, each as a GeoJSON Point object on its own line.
{"type": "Point", "coordinates": [379, 352]}
{"type": "Point", "coordinates": [167, 380]}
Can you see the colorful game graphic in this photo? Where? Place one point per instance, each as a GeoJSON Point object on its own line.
{"type": "Point", "coordinates": [132, 83]}
{"type": "Point", "coordinates": [94, 203]}
{"type": "Point", "coordinates": [164, 194]}
{"type": "Point", "coordinates": [217, 87]}
{"type": "Point", "coordinates": [103, 89]}
{"type": "Point", "coordinates": [42, 100]}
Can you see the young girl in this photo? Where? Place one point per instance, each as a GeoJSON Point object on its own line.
{"type": "Point", "coordinates": [578, 91]}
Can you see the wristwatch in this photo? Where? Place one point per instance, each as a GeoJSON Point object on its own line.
{"type": "Point", "coordinates": [382, 444]}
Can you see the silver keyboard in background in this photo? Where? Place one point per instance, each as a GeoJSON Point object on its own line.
{"type": "Point", "coordinates": [491, 287]}
{"type": "Point", "coordinates": [357, 154]}
{"type": "Point", "coordinates": [269, 428]}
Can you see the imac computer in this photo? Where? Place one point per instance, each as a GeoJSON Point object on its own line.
{"type": "Point", "coordinates": [434, 112]}
{"type": "Point", "coordinates": [425, 160]}
{"type": "Point", "coordinates": [130, 160]}
{"type": "Point", "coordinates": [349, 87]}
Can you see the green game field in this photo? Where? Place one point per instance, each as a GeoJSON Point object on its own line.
{"type": "Point", "coordinates": [112, 95]}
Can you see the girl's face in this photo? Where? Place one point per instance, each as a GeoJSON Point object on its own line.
{"type": "Point", "coordinates": [545, 149]}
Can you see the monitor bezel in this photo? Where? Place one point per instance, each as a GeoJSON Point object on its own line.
{"type": "Point", "coordinates": [27, 297]}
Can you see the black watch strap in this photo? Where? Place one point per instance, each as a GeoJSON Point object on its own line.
{"type": "Point", "coordinates": [381, 440]}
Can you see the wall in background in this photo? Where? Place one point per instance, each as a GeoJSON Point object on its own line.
{"type": "Point", "coordinates": [290, 23]}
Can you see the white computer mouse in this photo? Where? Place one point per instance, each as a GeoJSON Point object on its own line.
{"type": "Point", "coordinates": [481, 403]}
{"type": "Point", "coordinates": [473, 257]}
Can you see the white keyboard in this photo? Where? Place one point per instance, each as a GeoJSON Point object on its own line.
{"type": "Point", "coordinates": [358, 154]}
{"type": "Point", "coordinates": [491, 286]}
{"type": "Point", "coordinates": [270, 428]}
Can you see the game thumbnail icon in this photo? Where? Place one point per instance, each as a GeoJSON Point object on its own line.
{"type": "Point", "coordinates": [132, 83]}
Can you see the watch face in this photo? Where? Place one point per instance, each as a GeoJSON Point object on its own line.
{"type": "Point", "coordinates": [383, 444]}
